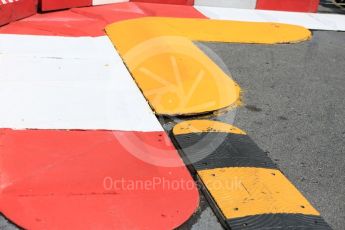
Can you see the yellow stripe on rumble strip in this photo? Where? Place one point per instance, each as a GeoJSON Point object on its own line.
{"type": "Point", "coordinates": [241, 192]}
{"type": "Point", "coordinates": [200, 126]}
{"type": "Point", "coordinates": [176, 77]}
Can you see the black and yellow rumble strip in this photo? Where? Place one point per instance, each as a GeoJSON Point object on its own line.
{"type": "Point", "coordinates": [247, 189]}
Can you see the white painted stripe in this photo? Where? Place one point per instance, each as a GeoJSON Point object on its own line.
{"type": "Point", "coordinates": [242, 4]}
{"type": "Point", "coordinates": [51, 82]}
{"type": "Point", "coordinates": [3, 2]}
{"type": "Point", "coordinates": [312, 21]}
{"type": "Point", "coordinates": [102, 2]}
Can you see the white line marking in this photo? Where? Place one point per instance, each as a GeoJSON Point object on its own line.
{"type": "Point", "coordinates": [314, 21]}
{"type": "Point", "coordinates": [242, 4]}
{"type": "Point", "coordinates": [103, 2]}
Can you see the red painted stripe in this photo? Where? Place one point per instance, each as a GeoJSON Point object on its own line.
{"type": "Point", "coordinates": [91, 21]}
{"type": "Point", "coordinates": [177, 2]}
{"type": "Point", "coordinates": [55, 178]}
{"type": "Point", "coordinates": [163, 10]}
{"type": "Point", "coordinates": [6, 14]}
{"type": "Point", "coordinates": [23, 8]}
{"type": "Point", "coordinates": [48, 5]}
{"type": "Point", "coordinates": [289, 5]}
{"type": "Point", "coordinates": [86, 179]}
{"type": "Point", "coordinates": [12, 11]}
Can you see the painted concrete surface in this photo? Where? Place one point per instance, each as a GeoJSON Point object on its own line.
{"type": "Point", "coordinates": [294, 109]}
{"type": "Point", "coordinates": [203, 219]}
{"type": "Point", "coordinates": [55, 83]}
{"type": "Point", "coordinates": [68, 83]}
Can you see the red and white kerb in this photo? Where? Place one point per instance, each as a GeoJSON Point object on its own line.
{"type": "Point", "coordinates": [79, 145]}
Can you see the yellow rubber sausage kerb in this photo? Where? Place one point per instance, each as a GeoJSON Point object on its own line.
{"type": "Point", "coordinates": [176, 77]}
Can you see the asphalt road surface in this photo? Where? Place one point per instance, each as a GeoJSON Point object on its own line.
{"type": "Point", "coordinates": [294, 108]}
